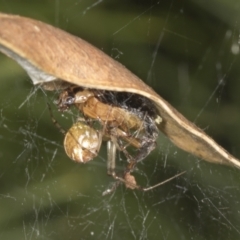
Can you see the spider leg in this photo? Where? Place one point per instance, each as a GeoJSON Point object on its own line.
{"type": "Point", "coordinates": [131, 183]}
{"type": "Point", "coordinates": [128, 180]}
{"type": "Point", "coordinates": [161, 183]}
{"type": "Point", "coordinates": [111, 157]}
{"type": "Point", "coordinates": [55, 122]}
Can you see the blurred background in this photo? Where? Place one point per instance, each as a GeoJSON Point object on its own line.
{"type": "Point", "coordinates": [188, 52]}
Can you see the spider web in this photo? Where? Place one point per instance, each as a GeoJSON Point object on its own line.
{"type": "Point", "coordinates": [188, 52]}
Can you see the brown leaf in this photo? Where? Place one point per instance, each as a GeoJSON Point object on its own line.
{"type": "Point", "coordinates": [50, 54]}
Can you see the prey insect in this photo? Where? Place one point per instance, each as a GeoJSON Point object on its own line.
{"type": "Point", "coordinates": [124, 121]}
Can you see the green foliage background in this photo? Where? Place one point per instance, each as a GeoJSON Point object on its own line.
{"type": "Point", "coordinates": [182, 49]}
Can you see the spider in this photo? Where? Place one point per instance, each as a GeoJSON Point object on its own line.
{"type": "Point", "coordinates": [125, 120]}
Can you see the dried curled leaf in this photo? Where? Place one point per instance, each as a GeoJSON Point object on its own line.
{"type": "Point", "coordinates": [49, 54]}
